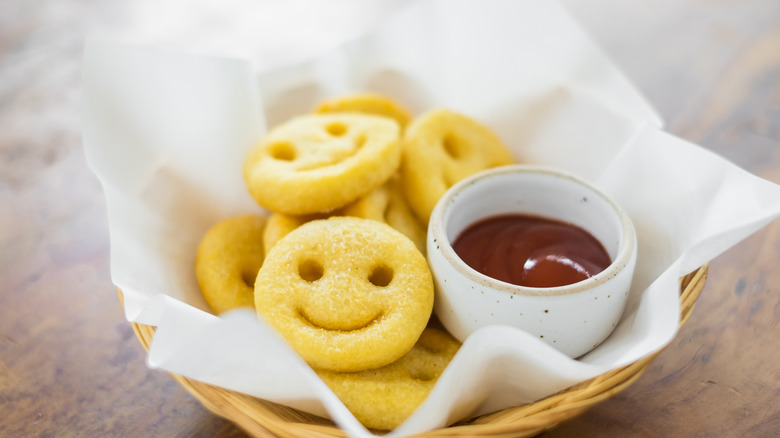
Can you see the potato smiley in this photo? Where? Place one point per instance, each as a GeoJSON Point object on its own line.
{"type": "Point", "coordinates": [440, 148]}
{"type": "Point", "coordinates": [367, 103]}
{"type": "Point", "coordinates": [320, 162]}
{"type": "Point", "coordinates": [383, 398]}
{"type": "Point", "coordinates": [227, 261]}
{"type": "Point", "coordinates": [348, 294]}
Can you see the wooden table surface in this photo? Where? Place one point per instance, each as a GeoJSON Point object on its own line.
{"type": "Point", "coordinates": [70, 364]}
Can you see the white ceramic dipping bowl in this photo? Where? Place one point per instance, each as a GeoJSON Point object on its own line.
{"type": "Point", "coordinates": [573, 318]}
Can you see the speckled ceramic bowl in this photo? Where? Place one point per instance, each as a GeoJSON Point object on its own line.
{"type": "Point", "coordinates": [573, 318]}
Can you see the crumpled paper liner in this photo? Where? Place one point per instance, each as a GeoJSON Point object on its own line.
{"type": "Point", "coordinates": [167, 133]}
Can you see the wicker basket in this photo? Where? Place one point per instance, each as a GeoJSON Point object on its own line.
{"type": "Point", "coordinates": [261, 418]}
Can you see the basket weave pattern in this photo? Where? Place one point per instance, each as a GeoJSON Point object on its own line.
{"type": "Point", "coordinates": [261, 418]}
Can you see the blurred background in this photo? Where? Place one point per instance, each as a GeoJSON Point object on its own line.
{"type": "Point", "coordinates": [69, 362]}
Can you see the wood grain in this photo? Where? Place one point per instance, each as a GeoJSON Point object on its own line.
{"type": "Point", "coordinates": [70, 364]}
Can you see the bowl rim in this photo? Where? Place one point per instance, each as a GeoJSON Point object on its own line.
{"type": "Point", "coordinates": [440, 242]}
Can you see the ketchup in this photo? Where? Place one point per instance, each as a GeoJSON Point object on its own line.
{"type": "Point", "coordinates": [531, 251]}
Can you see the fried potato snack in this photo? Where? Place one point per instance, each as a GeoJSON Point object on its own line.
{"type": "Point", "coordinates": [440, 148]}
{"type": "Point", "coordinates": [348, 294]}
{"type": "Point", "coordinates": [388, 204]}
{"type": "Point", "coordinates": [368, 103]}
{"type": "Point", "coordinates": [317, 163]}
{"type": "Point", "coordinates": [280, 225]}
{"type": "Point", "coordinates": [228, 259]}
{"type": "Point", "coordinates": [383, 398]}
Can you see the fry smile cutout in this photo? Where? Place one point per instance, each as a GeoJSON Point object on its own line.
{"type": "Point", "coordinates": [348, 294]}
{"type": "Point", "coordinates": [325, 325]}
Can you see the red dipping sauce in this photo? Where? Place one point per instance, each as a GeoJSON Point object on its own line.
{"type": "Point", "coordinates": [531, 251]}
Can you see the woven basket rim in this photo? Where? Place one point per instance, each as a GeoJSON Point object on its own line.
{"type": "Point", "coordinates": [262, 418]}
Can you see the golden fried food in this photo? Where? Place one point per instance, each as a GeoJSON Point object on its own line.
{"type": "Point", "coordinates": [439, 149]}
{"type": "Point", "coordinates": [280, 225]}
{"type": "Point", "coordinates": [385, 204]}
{"type": "Point", "coordinates": [388, 204]}
{"type": "Point", "coordinates": [317, 163]}
{"type": "Point", "coordinates": [383, 398]}
{"type": "Point", "coordinates": [348, 294]}
{"type": "Point", "coordinates": [228, 259]}
{"type": "Point", "coordinates": [368, 103]}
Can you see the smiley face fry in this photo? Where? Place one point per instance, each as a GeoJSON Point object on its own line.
{"type": "Point", "coordinates": [348, 294]}
{"type": "Point", "coordinates": [383, 398]}
{"type": "Point", "coordinates": [367, 103]}
{"type": "Point", "coordinates": [440, 148]}
{"type": "Point", "coordinates": [317, 163]}
{"type": "Point", "coordinates": [228, 258]}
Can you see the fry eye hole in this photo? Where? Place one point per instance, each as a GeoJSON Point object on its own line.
{"type": "Point", "coordinates": [421, 373]}
{"type": "Point", "coordinates": [310, 270]}
{"type": "Point", "coordinates": [387, 210]}
{"type": "Point", "coordinates": [360, 141]}
{"type": "Point", "coordinates": [381, 276]}
{"type": "Point", "coordinates": [452, 146]}
{"type": "Point", "coordinates": [283, 151]}
{"type": "Point", "coordinates": [249, 276]}
{"type": "Point", "coordinates": [336, 129]}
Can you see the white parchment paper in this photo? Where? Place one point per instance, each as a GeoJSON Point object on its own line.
{"type": "Point", "coordinates": [167, 132]}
